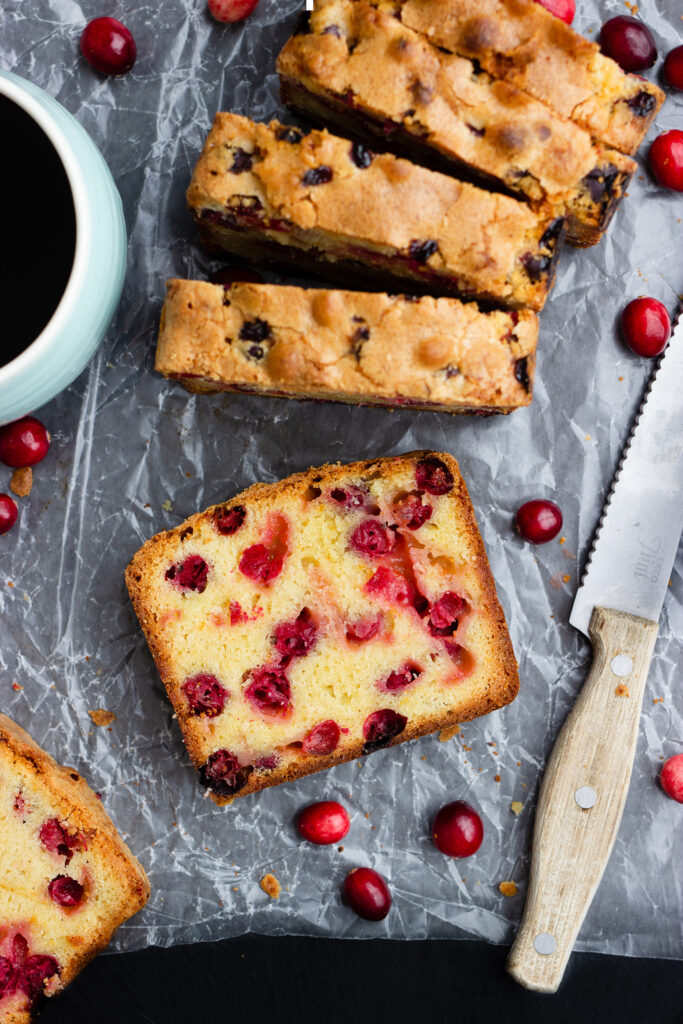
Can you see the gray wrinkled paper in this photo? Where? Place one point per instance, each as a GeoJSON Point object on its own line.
{"type": "Point", "coordinates": [133, 454]}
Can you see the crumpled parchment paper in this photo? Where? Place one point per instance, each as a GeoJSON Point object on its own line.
{"type": "Point", "coordinates": [133, 454]}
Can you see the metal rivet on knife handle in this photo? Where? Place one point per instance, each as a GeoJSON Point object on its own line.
{"type": "Point", "coordinates": [622, 665]}
{"type": "Point", "coordinates": [585, 797]}
{"type": "Point", "coordinates": [545, 944]}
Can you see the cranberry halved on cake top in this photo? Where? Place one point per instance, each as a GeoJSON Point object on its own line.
{"type": "Point", "coordinates": [380, 624]}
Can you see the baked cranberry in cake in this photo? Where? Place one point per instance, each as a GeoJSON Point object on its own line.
{"type": "Point", "coordinates": [269, 691]}
{"type": "Point", "coordinates": [322, 739]}
{"type": "Point", "coordinates": [433, 476]}
{"type": "Point", "coordinates": [445, 613]}
{"type": "Point", "coordinates": [65, 891]}
{"type": "Point", "coordinates": [410, 512]}
{"type": "Point", "coordinates": [562, 9]}
{"type": "Point", "coordinates": [205, 695]}
{"type": "Point", "coordinates": [223, 775]}
{"type": "Point", "coordinates": [260, 564]}
{"type": "Point", "coordinates": [229, 520]}
{"type": "Point", "coordinates": [381, 727]}
{"type": "Point", "coordinates": [70, 878]}
{"type": "Point", "coordinates": [349, 650]}
{"type": "Point", "coordinates": [55, 838]}
{"type": "Point", "coordinates": [190, 574]}
{"type": "Point", "coordinates": [372, 539]}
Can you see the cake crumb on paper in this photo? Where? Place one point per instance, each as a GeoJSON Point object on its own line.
{"type": "Point", "coordinates": [22, 482]}
{"type": "Point", "coordinates": [100, 716]}
{"type": "Point", "coordinates": [271, 886]}
{"type": "Point", "coordinates": [622, 690]}
{"type": "Point", "coordinates": [167, 505]}
{"type": "Point", "coordinates": [508, 888]}
{"type": "Point", "coordinates": [447, 734]}
{"type": "Point", "coordinates": [516, 806]}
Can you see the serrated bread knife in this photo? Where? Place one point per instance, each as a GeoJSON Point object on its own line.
{"type": "Point", "coordinates": [617, 606]}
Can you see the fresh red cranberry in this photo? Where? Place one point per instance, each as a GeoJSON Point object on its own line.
{"type": "Point", "coordinates": [538, 521]}
{"type": "Point", "coordinates": [380, 728]}
{"type": "Point", "coordinates": [190, 574]}
{"type": "Point", "coordinates": [269, 691]}
{"type": "Point", "coordinates": [34, 973]}
{"type": "Point", "coordinates": [629, 42]}
{"type": "Point", "coordinates": [666, 159]}
{"type": "Point", "coordinates": [372, 539]}
{"type": "Point", "coordinates": [445, 613]}
{"type": "Point", "coordinates": [8, 513]}
{"type": "Point", "coordinates": [673, 68]}
{"type": "Point", "coordinates": [351, 498]}
{"type": "Point", "coordinates": [260, 564]}
{"type": "Point", "coordinates": [236, 275]}
{"type": "Point", "coordinates": [108, 46]}
{"type": "Point", "coordinates": [23, 443]}
{"type": "Point", "coordinates": [367, 894]}
{"type": "Point", "coordinates": [294, 639]}
{"type": "Point", "coordinates": [56, 839]}
{"type": "Point", "coordinates": [402, 677]}
{"type": "Point", "coordinates": [6, 974]}
{"type": "Point", "coordinates": [65, 891]}
{"type": "Point", "coordinates": [671, 777]}
{"type": "Point", "coordinates": [205, 695]}
{"type": "Point", "coordinates": [322, 738]}
{"type": "Point", "coordinates": [646, 326]}
{"type": "Point", "coordinates": [230, 11]}
{"type": "Point", "coordinates": [223, 774]}
{"type": "Point", "coordinates": [457, 830]}
{"type": "Point", "coordinates": [229, 520]}
{"type": "Point", "coordinates": [434, 476]}
{"type": "Point", "coordinates": [392, 586]}
{"type": "Point", "coordinates": [410, 512]}
{"type": "Point", "coordinates": [562, 9]}
{"type": "Point", "coordinates": [323, 823]}
{"type": "Point", "coordinates": [363, 629]}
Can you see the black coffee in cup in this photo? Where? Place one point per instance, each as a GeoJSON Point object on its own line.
{"type": "Point", "coordinates": [38, 230]}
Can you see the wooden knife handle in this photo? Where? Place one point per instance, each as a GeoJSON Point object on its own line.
{"type": "Point", "coordinates": [590, 762]}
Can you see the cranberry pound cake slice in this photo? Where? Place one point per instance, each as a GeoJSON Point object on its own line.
{"type": "Point", "coordinates": [520, 41]}
{"type": "Point", "coordinates": [310, 621]}
{"type": "Point", "coordinates": [275, 193]}
{"type": "Point", "coordinates": [67, 879]}
{"type": "Point", "coordinates": [358, 67]}
{"type": "Point", "coordinates": [364, 347]}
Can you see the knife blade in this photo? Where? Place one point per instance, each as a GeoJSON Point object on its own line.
{"type": "Point", "coordinates": [617, 605]}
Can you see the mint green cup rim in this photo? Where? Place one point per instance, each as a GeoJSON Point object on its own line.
{"type": "Point", "coordinates": [71, 143]}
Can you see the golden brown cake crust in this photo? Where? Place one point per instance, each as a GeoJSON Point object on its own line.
{"type": "Point", "coordinates": [360, 67]}
{"type": "Point", "coordinates": [347, 346]}
{"type": "Point", "coordinates": [522, 42]}
{"type": "Point", "coordinates": [315, 193]}
{"type": "Point", "coordinates": [73, 800]}
{"type": "Point", "coordinates": [501, 686]}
